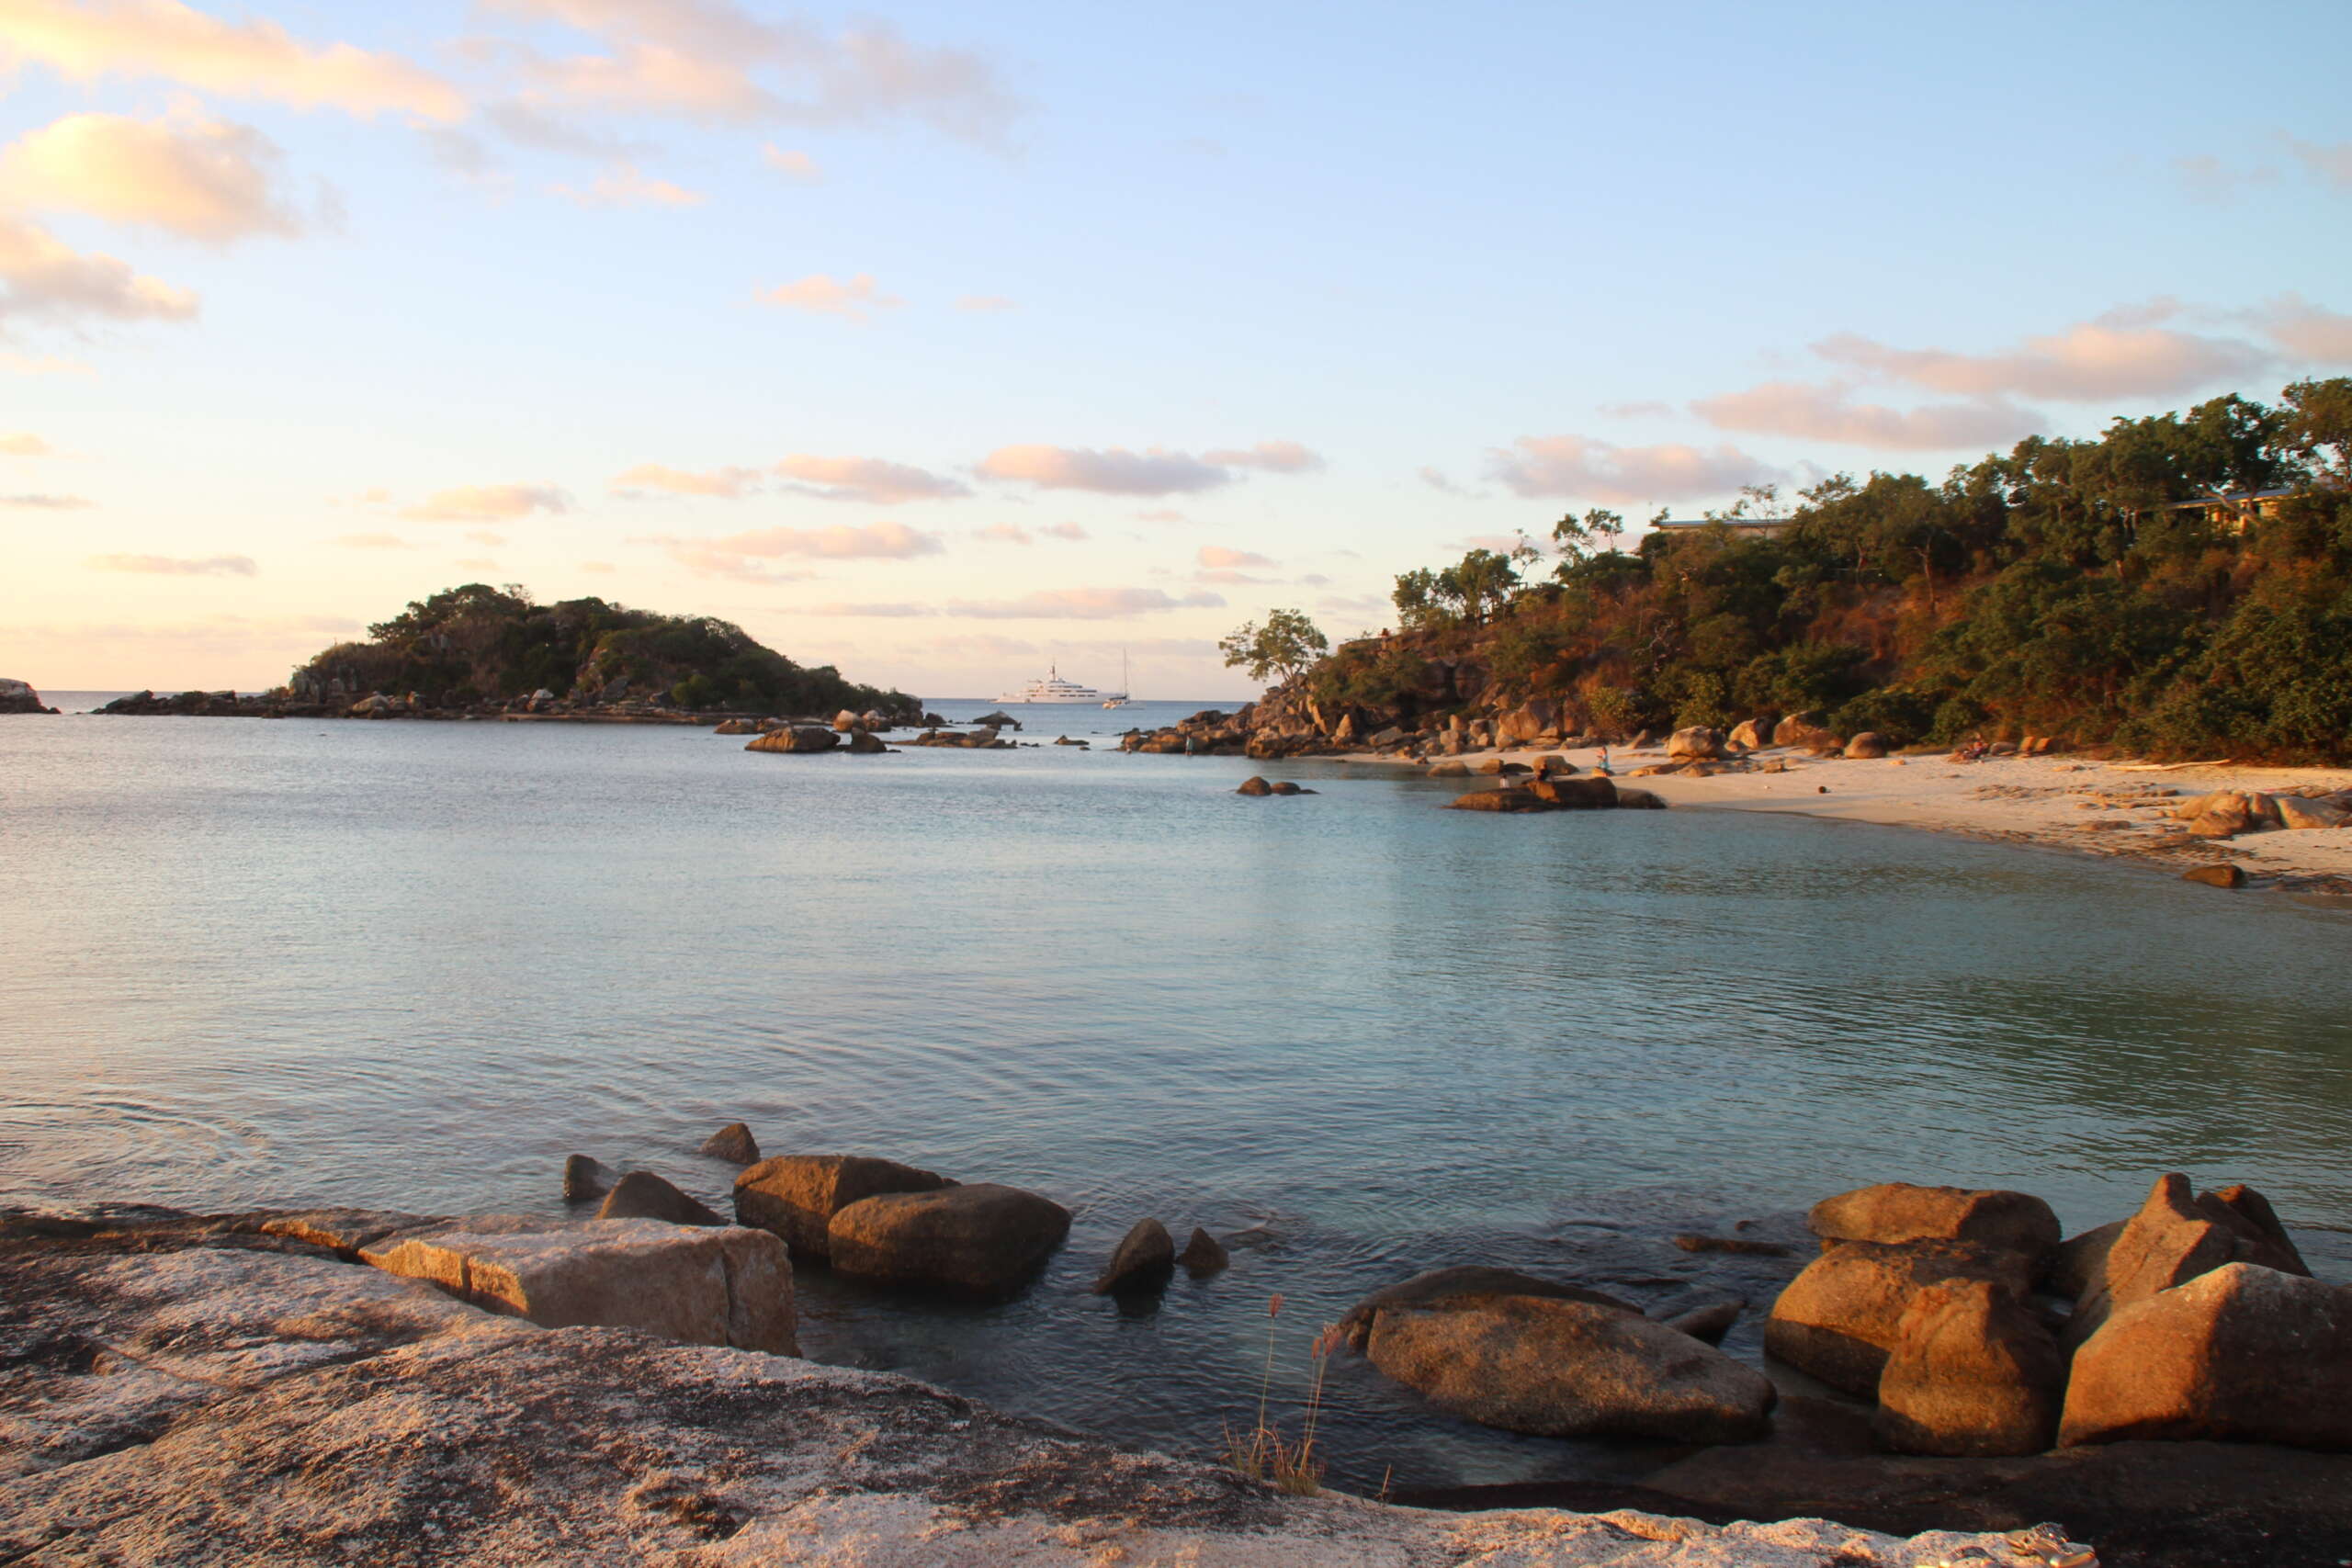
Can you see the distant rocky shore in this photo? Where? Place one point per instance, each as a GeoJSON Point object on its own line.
{"type": "Point", "coordinates": [2168, 1389]}
{"type": "Point", "coordinates": [16, 697]}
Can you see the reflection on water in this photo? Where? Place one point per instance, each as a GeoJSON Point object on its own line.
{"type": "Point", "coordinates": [414, 965]}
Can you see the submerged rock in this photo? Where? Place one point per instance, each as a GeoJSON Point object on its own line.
{"type": "Point", "coordinates": [1142, 1263]}
{"type": "Point", "coordinates": [734, 1144]}
{"type": "Point", "coordinates": [1558, 1367]}
{"type": "Point", "coordinates": [1204, 1255]}
{"type": "Point", "coordinates": [641, 1195]}
{"type": "Point", "coordinates": [585, 1179]}
{"type": "Point", "coordinates": [1465, 1282]}
{"type": "Point", "coordinates": [1254, 786]}
{"type": "Point", "coordinates": [1709, 1323]}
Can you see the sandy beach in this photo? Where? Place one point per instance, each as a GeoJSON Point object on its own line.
{"type": "Point", "coordinates": [2117, 807]}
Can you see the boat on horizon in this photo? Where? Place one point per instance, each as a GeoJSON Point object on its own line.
{"type": "Point", "coordinates": [1054, 688]}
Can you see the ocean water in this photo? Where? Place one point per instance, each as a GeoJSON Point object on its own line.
{"type": "Point", "coordinates": [414, 965]}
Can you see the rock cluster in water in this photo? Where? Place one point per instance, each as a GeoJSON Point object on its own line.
{"type": "Point", "coordinates": [17, 696]}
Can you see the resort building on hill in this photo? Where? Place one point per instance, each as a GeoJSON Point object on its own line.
{"type": "Point", "coordinates": [2235, 510]}
{"type": "Point", "coordinates": [1759, 527]}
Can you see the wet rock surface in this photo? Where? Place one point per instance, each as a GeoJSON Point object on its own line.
{"type": "Point", "coordinates": [176, 1390]}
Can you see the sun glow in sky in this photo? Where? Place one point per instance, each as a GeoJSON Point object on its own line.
{"type": "Point", "coordinates": [940, 341]}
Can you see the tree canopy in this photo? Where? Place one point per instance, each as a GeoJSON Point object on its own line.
{"type": "Point", "coordinates": [1278, 650]}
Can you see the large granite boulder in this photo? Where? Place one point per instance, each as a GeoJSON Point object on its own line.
{"type": "Point", "coordinates": [1973, 1373]}
{"type": "Point", "coordinates": [1897, 1211]}
{"type": "Point", "coordinates": [1754, 734]}
{"type": "Point", "coordinates": [2175, 1238]}
{"type": "Point", "coordinates": [2305, 814]}
{"type": "Point", "coordinates": [1697, 743]}
{"type": "Point", "coordinates": [641, 1195]}
{"type": "Point", "coordinates": [17, 696]}
{"type": "Point", "coordinates": [798, 737]}
{"type": "Point", "coordinates": [1506, 800]}
{"type": "Point", "coordinates": [1870, 744]}
{"type": "Point", "coordinates": [1807, 731]}
{"type": "Point", "coordinates": [2080, 1260]}
{"type": "Point", "coordinates": [2240, 1352]}
{"type": "Point", "coordinates": [980, 1240]}
{"type": "Point", "coordinates": [1841, 1316]}
{"type": "Point", "coordinates": [1594, 793]}
{"type": "Point", "coordinates": [699, 1285]}
{"type": "Point", "coordinates": [797, 1196]}
{"type": "Point", "coordinates": [585, 1178]}
{"type": "Point", "coordinates": [1564, 1368]}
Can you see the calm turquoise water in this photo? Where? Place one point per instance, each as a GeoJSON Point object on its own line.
{"type": "Point", "coordinates": [414, 965]}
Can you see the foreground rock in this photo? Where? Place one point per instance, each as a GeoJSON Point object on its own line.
{"type": "Point", "coordinates": [1840, 1318]}
{"type": "Point", "coordinates": [1564, 1368]}
{"type": "Point", "coordinates": [697, 1285]}
{"type": "Point", "coordinates": [282, 1408]}
{"type": "Point", "coordinates": [797, 1196]}
{"type": "Point", "coordinates": [585, 1179]}
{"type": "Point", "coordinates": [2240, 1352]}
{"type": "Point", "coordinates": [2174, 1238]}
{"type": "Point", "coordinates": [982, 1240]}
{"type": "Point", "coordinates": [1204, 1255]}
{"type": "Point", "coordinates": [1972, 1373]}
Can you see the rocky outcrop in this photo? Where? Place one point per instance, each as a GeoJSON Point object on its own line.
{"type": "Point", "coordinates": [17, 696]}
{"type": "Point", "coordinates": [796, 739]}
{"type": "Point", "coordinates": [1697, 742]}
{"type": "Point", "coordinates": [1972, 1373]}
{"type": "Point", "coordinates": [1562, 1368]}
{"type": "Point", "coordinates": [2241, 1352]}
{"type": "Point", "coordinates": [280, 1408]}
{"type": "Point", "coordinates": [2175, 1238]}
{"type": "Point", "coordinates": [1143, 1262]}
{"type": "Point", "coordinates": [642, 1195]}
{"type": "Point", "coordinates": [1897, 1211]}
{"type": "Point", "coordinates": [1842, 1317]}
{"type": "Point", "coordinates": [696, 1285]}
{"type": "Point", "coordinates": [982, 1240]}
{"type": "Point", "coordinates": [797, 1196]}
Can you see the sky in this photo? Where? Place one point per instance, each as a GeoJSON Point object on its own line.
{"type": "Point", "coordinates": [945, 342]}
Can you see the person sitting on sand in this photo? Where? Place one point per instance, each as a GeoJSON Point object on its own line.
{"type": "Point", "coordinates": [1602, 767]}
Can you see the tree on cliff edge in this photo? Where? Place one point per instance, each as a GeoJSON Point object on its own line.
{"type": "Point", "coordinates": [1275, 652]}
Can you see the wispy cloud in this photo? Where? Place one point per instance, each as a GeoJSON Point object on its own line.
{"type": "Point", "coordinates": [1829, 414]}
{"type": "Point", "coordinates": [1051, 604]}
{"type": "Point", "coordinates": [796, 166]}
{"type": "Point", "coordinates": [374, 542]}
{"type": "Point", "coordinates": [737, 556]}
{"type": "Point", "coordinates": [24, 446]}
{"type": "Point", "coordinates": [1118, 471]}
{"type": "Point", "coordinates": [873, 480]}
{"type": "Point", "coordinates": [1219, 558]}
{"type": "Point", "coordinates": [83, 40]}
{"type": "Point", "coordinates": [985, 303]}
{"type": "Point", "coordinates": [487, 503]}
{"type": "Point", "coordinates": [47, 503]}
{"type": "Point", "coordinates": [1070, 531]}
{"type": "Point", "coordinates": [2330, 162]}
{"type": "Point", "coordinates": [203, 179]}
{"type": "Point", "coordinates": [2307, 330]}
{"type": "Point", "coordinates": [728, 484]}
{"type": "Point", "coordinates": [2124, 354]}
{"type": "Point", "coordinates": [625, 185]}
{"type": "Point", "coordinates": [48, 279]}
{"type": "Point", "coordinates": [820, 294]}
{"type": "Point", "coordinates": [177, 566]}
{"type": "Point", "coordinates": [1583, 468]}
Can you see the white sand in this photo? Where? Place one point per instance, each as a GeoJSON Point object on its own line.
{"type": "Point", "coordinates": [2042, 800]}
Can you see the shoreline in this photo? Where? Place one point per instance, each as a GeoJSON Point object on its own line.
{"type": "Point", "coordinates": [2079, 805]}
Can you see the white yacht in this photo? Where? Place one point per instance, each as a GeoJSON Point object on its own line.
{"type": "Point", "coordinates": [1054, 688]}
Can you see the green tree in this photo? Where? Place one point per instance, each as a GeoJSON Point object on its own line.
{"type": "Point", "coordinates": [1278, 650]}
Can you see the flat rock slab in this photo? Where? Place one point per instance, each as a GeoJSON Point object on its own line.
{"type": "Point", "coordinates": [491, 1441]}
{"type": "Point", "coordinates": [698, 1284]}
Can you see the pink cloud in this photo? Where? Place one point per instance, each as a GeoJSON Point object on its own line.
{"type": "Point", "coordinates": [729, 484]}
{"type": "Point", "coordinates": [1116, 471]}
{"type": "Point", "coordinates": [177, 566]}
{"type": "Point", "coordinates": [1219, 558]}
{"type": "Point", "coordinates": [868, 480]}
{"type": "Point", "coordinates": [2308, 332]}
{"type": "Point", "coordinates": [487, 503]}
{"type": "Point", "coordinates": [1273, 457]}
{"type": "Point", "coordinates": [1582, 467]}
{"type": "Point", "coordinates": [1826, 413]}
{"type": "Point", "coordinates": [820, 294]}
{"type": "Point", "coordinates": [2121, 355]}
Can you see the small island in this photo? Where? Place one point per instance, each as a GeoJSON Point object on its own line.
{"type": "Point", "coordinates": [476, 651]}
